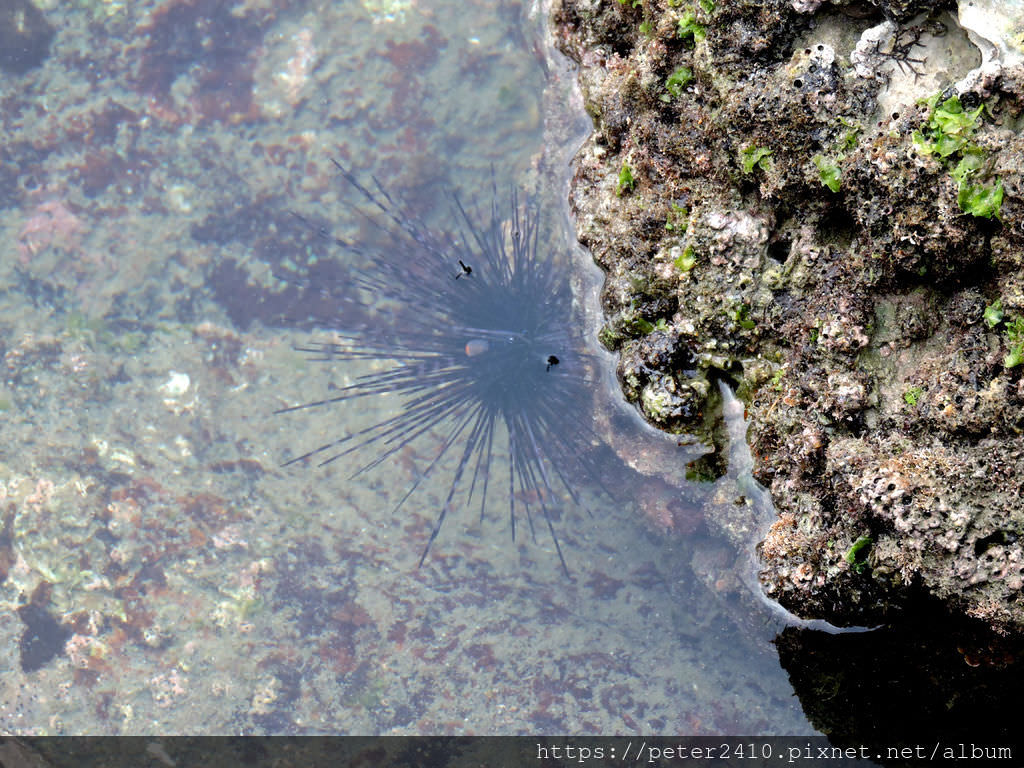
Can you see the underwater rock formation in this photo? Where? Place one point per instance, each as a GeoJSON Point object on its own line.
{"type": "Point", "coordinates": [822, 202]}
{"type": "Point", "coordinates": [25, 36]}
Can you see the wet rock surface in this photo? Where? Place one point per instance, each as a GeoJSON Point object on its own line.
{"type": "Point", "coordinates": [857, 274]}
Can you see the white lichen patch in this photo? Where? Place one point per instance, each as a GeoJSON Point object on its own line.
{"type": "Point", "coordinates": [864, 59]}
{"type": "Point", "coordinates": [996, 27]}
{"type": "Point", "coordinates": [926, 56]}
{"type": "Point", "coordinates": [832, 30]}
{"type": "Point", "coordinates": [914, 60]}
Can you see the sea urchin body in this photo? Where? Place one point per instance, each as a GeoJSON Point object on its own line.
{"type": "Point", "coordinates": [477, 340]}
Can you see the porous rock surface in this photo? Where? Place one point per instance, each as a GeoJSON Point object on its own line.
{"type": "Point", "coordinates": [759, 221]}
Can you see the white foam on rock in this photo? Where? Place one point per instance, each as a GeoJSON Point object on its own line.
{"type": "Point", "coordinates": [741, 469]}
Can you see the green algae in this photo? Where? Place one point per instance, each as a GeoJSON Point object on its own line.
{"type": "Point", "coordinates": [626, 179]}
{"type": "Point", "coordinates": [675, 83]}
{"type": "Point", "coordinates": [755, 157]}
{"type": "Point", "coordinates": [829, 172]}
{"type": "Point", "coordinates": [948, 132]}
{"type": "Point", "coordinates": [857, 554]}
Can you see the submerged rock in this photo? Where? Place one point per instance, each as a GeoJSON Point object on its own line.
{"type": "Point", "coordinates": [25, 36]}
{"type": "Point", "coordinates": [822, 203]}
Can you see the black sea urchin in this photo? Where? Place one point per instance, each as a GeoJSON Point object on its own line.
{"type": "Point", "coordinates": [478, 342]}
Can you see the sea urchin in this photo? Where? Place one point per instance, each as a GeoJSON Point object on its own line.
{"type": "Point", "coordinates": [476, 338]}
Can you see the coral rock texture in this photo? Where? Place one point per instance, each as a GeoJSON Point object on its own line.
{"type": "Point", "coordinates": [774, 204]}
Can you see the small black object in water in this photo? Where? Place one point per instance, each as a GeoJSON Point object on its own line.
{"type": "Point", "coordinates": [43, 639]}
{"type": "Point", "coordinates": [490, 363]}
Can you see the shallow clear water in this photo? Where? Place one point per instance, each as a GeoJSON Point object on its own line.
{"type": "Point", "coordinates": [149, 311]}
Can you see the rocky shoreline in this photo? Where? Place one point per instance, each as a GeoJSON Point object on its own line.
{"type": "Point", "coordinates": [820, 203]}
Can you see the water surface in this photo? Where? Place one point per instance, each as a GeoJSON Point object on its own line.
{"type": "Point", "coordinates": [149, 308]}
